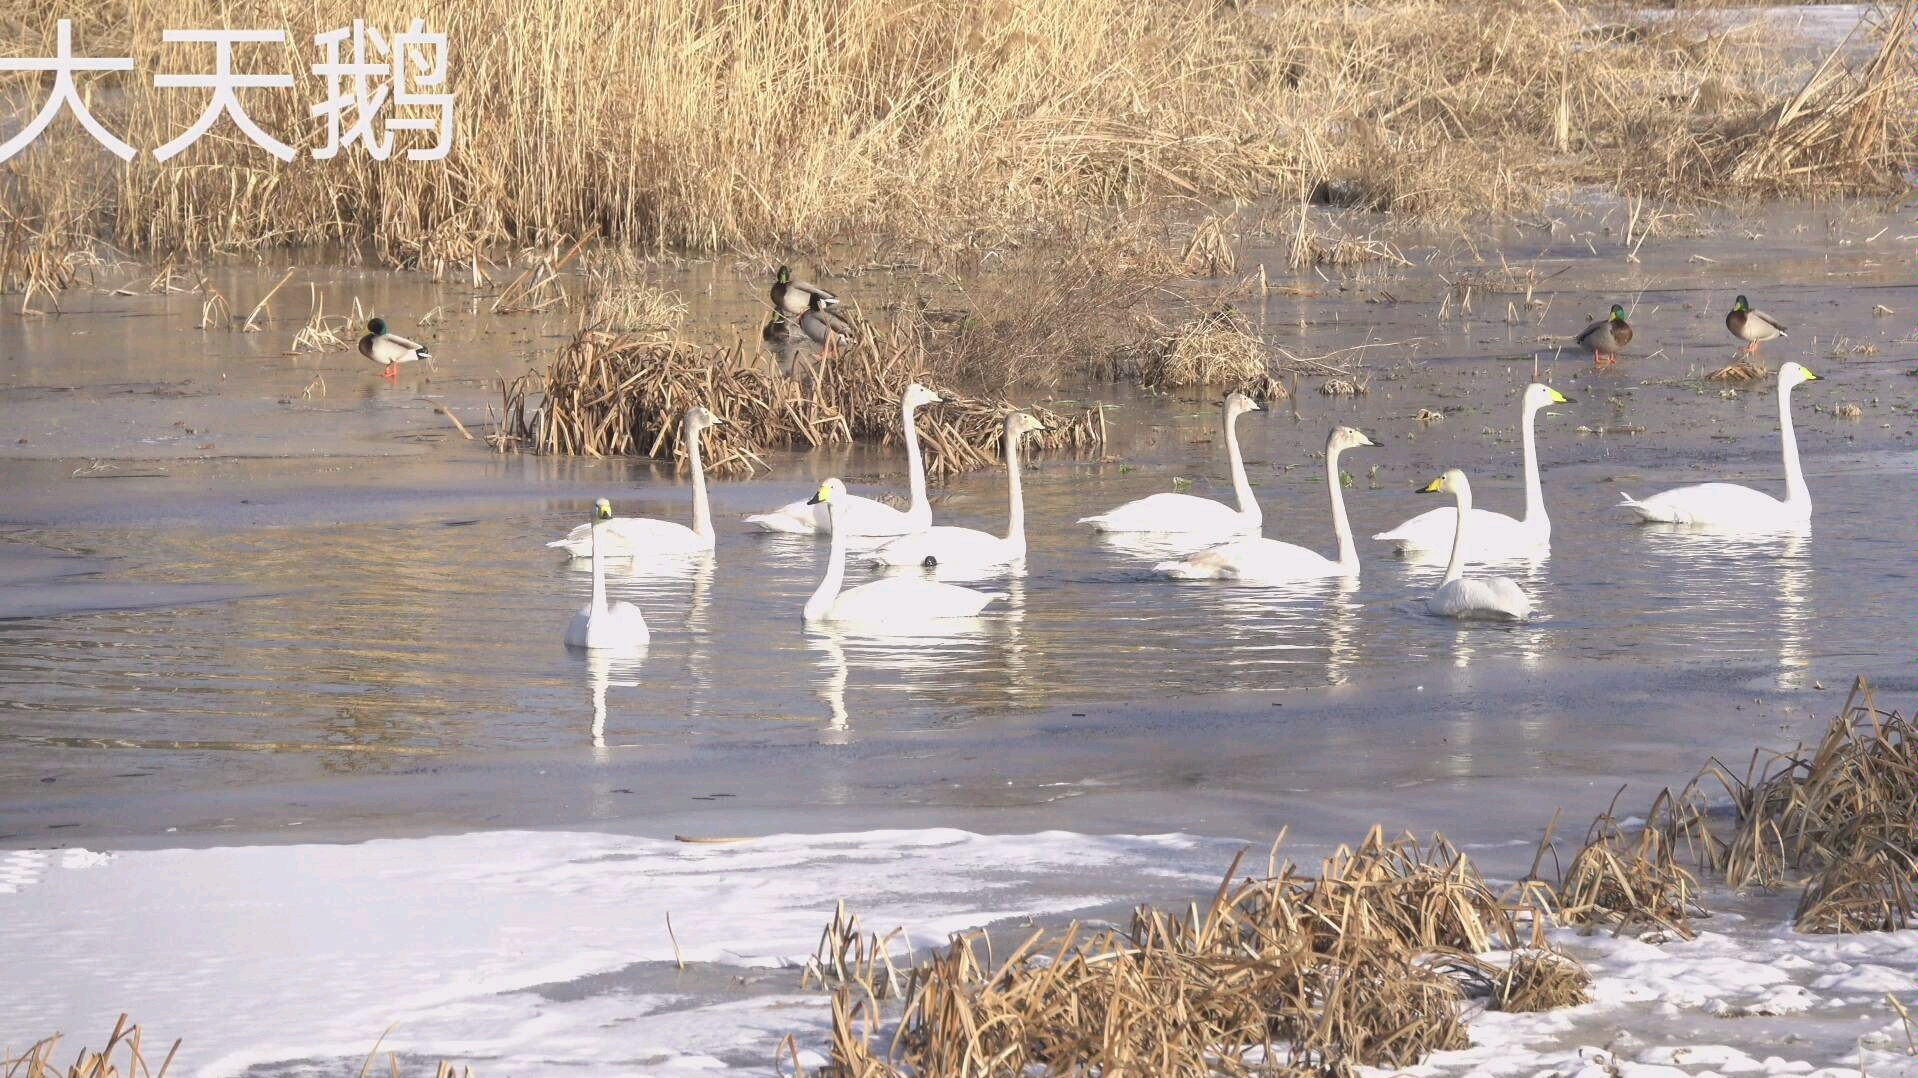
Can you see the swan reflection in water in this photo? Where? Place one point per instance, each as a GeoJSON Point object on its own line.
{"type": "Point", "coordinates": [942, 655]}
{"type": "Point", "coordinates": [606, 669]}
{"type": "Point", "coordinates": [1742, 591]}
{"type": "Point", "coordinates": [1289, 623]}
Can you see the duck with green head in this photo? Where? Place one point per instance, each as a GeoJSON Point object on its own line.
{"type": "Point", "coordinates": [1752, 327]}
{"type": "Point", "coordinates": [792, 298]}
{"type": "Point", "coordinates": [1606, 336]}
{"type": "Point", "coordinates": [389, 350]}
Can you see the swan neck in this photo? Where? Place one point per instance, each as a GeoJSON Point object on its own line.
{"type": "Point", "coordinates": [598, 609]}
{"type": "Point", "coordinates": [1534, 492]}
{"type": "Point", "coordinates": [1248, 507]}
{"type": "Point", "coordinates": [828, 589]}
{"type": "Point", "coordinates": [702, 511]}
{"type": "Point", "coordinates": [915, 466]}
{"type": "Point", "coordinates": [1016, 522]}
{"type": "Point", "coordinates": [1341, 526]}
{"type": "Point", "coordinates": [1796, 493]}
{"type": "Point", "coordinates": [1456, 567]}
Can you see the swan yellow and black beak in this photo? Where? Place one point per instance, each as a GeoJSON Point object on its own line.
{"type": "Point", "coordinates": [1809, 376]}
{"type": "Point", "coordinates": [1436, 486]}
{"type": "Point", "coordinates": [821, 498]}
{"type": "Point", "coordinates": [1557, 397]}
{"type": "Point", "coordinates": [602, 510]}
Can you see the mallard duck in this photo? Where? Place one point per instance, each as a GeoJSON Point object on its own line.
{"type": "Point", "coordinates": [1606, 336]}
{"type": "Point", "coordinates": [794, 297]}
{"type": "Point", "coordinates": [390, 351]}
{"type": "Point", "coordinates": [782, 332]}
{"type": "Point", "coordinates": [1752, 327]}
{"type": "Point", "coordinates": [821, 325]}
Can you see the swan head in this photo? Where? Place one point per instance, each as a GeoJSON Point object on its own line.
{"type": "Point", "coordinates": [1343, 438]}
{"type": "Point", "coordinates": [1538, 395]}
{"type": "Point", "coordinates": [699, 417]}
{"type": "Point", "coordinates": [785, 275]}
{"type": "Point", "coordinates": [830, 489]}
{"type": "Point", "coordinates": [602, 510]}
{"type": "Point", "coordinates": [377, 327]}
{"type": "Point", "coordinates": [1742, 304]}
{"type": "Point", "coordinates": [1021, 423]}
{"type": "Point", "coordinates": [1793, 373]}
{"type": "Point", "coordinates": [918, 396]}
{"type": "Point", "coordinates": [1452, 482]}
{"type": "Point", "coordinates": [1238, 404]}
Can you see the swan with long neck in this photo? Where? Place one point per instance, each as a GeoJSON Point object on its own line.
{"type": "Point", "coordinates": [1269, 560]}
{"type": "Point", "coordinates": [865, 516]}
{"type": "Point", "coordinates": [1493, 536]}
{"type": "Point", "coordinates": [898, 600]}
{"type": "Point", "coordinates": [1185, 513]}
{"type": "Point", "coordinates": [645, 537]}
{"type": "Point", "coordinates": [599, 625]}
{"type": "Point", "coordinates": [947, 546]}
{"type": "Point", "coordinates": [1728, 506]}
{"type": "Point", "coordinates": [1461, 596]}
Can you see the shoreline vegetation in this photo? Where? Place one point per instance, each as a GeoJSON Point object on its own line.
{"type": "Point", "coordinates": [1373, 962]}
{"type": "Point", "coordinates": [945, 128]}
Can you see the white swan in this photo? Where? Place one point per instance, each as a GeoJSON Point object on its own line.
{"type": "Point", "coordinates": [1460, 596]}
{"type": "Point", "coordinates": [865, 516]}
{"type": "Point", "coordinates": [598, 625]}
{"type": "Point", "coordinates": [1267, 560]}
{"type": "Point", "coordinates": [1494, 536]}
{"type": "Point", "coordinates": [1730, 506]}
{"type": "Point", "coordinates": [627, 537]}
{"type": "Point", "coordinates": [1185, 512]}
{"type": "Point", "coordinates": [969, 548]}
{"type": "Point", "coordinates": [887, 601]}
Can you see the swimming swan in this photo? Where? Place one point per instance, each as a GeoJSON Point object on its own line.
{"type": "Point", "coordinates": [943, 545]}
{"type": "Point", "coordinates": [865, 516]}
{"type": "Point", "coordinates": [1494, 536]}
{"type": "Point", "coordinates": [1730, 506]}
{"type": "Point", "coordinates": [598, 625]}
{"type": "Point", "coordinates": [1262, 559]}
{"type": "Point", "coordinates": [626, 537]}
{"type": "Point", "coordinates": [1185, 512]}
{"type": "Point", "coordinates": [1460, 596]}
{"type": "Point", "coordinates": [887, 601]}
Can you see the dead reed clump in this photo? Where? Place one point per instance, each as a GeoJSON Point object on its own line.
{"type": "Point", "coordinates": [1364, 965]}
{"type": "Point", "coordinates": [1872, 893]}
{"type": "Point", "coordinates": [1740, 371]}
{"type": "Point", "coordinates": [605, 395]}
{"type": "Point", "coordinates": [620, 299]}
{"type": "Point", "coordinates": [1620, 883]}
{"type": "Point", "coordinates": [1854, 797]}
{"type": "Point", "coordinates": [121, 1056]}
{"type": "Point", "coordinates": [1217, 348]}
{"type": "Point", "coordinates": [1540, 979]}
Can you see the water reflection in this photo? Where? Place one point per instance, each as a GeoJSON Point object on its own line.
{"type": "Point", "coordinates": [938, 656]}
{"type": "Point", "coordinates": [1743, 587]}
{"type": "Point", "coordinates": [606, 669]}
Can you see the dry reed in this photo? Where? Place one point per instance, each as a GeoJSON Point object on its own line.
{"type": "Point", "coordinates": [1621, 883]}
{"type": "Point", "coordinates": [1365, 964]}
{"type": "Point", "coordinates": [695, 124]}
{"type": "Point", "coordinates": [606, 396]}
{"type": "Point", "coordinates": [1216, 348]}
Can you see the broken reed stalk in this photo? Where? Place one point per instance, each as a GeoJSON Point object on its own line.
{"type": "Point", "coordinates": [615, 396]}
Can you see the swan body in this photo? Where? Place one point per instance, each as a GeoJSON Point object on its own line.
{"type": "Point", "coordinates": [898, 600]}
{"type": "Point", "coordinates": [598, 625]}
{"type": "Point", "coordinates": [1460, 596]}
{"type": "Point", "coordinates": [1733, 507]}
{"type": "Point", "coordinates": [1267, 560]}
{"type": "Point", "coordinates": [630, 537]}
{"type": "Point", "coordinates": [390, 350]}
{"type": "Point", "coordinates": [865, 516]}
{"type": "Point", "coordinates": [970, 548]}
{"type": "Point", "coordinates": [1752, 327]}
{"type": "Point", "coordinates": [1492, 536]}
{"type": "Point", "coordinates": [1186, 513]}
